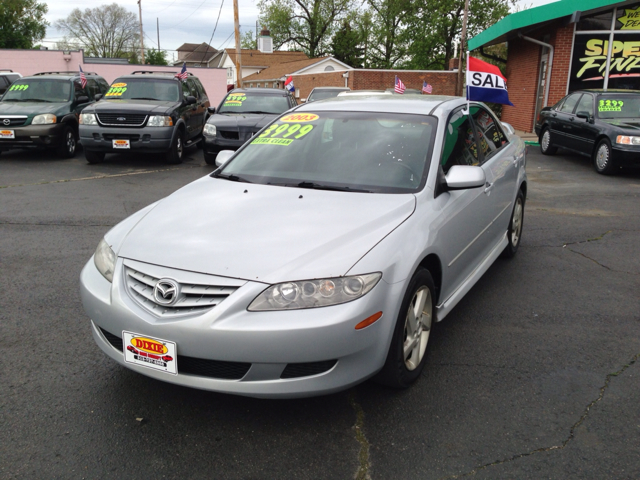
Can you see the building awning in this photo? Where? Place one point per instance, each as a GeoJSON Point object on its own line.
{"type": "Point", "coordinates": [500, 31]}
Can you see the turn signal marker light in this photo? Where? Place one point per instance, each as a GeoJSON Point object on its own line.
{"type": "Point", "coordinates": [368, 321]}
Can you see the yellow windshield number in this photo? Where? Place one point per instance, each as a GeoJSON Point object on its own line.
{"type": "Point", "coordinates": [283, 130]}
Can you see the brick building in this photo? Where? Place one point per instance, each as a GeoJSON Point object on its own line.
{"type": "Point", "coordinates": [569, 41]}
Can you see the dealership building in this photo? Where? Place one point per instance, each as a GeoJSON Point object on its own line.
{"type": "Point", "coordinates": [561, 47]}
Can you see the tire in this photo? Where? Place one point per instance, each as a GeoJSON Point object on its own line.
{"type": "Point", "coordinates": [408, 351]}
{"type": "Point", "coordinates": [94, 157]}
{"type": "Point", "coordinates": [546, 146]}
{"type": "Point", "coordinates": [209, 158]}
{"type": "Point", "coordinates": [514, 233]}
{"type": "Point", "coordinates": [603, 158]}
{"type": "Point", "coordinates": [69, 144]}
{"type": "Point", "coordinates": [176, 151]}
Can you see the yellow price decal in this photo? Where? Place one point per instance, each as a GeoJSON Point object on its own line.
{"type": "Point", "coordinates": [115, 91]}
{"type": "Point", "coordinates": [300, 117]}
{"type": "Point", "coordinates": [610, 105]}
{"type": "Point", "coordinates": [19, 87]}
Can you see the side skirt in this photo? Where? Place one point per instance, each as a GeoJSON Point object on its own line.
{"type": "Point", "coordinates": [445, 307]}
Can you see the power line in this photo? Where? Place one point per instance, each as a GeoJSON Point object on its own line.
{"type": "Point", "coordinates": [188, 16]}
{"type": "Point", "coordinates": [214, 32]}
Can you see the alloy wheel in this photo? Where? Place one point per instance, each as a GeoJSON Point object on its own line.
{"type": "Point", "coordinates": [602, 157]}
{"type": "Point", "coordinates": [417, 328]}
{"type": "Point", "coordinates": [71, 143]}
{"type": "Point", "coordinates": [516, 223]}
{"type": "Point", "coordinates": [546, 140]}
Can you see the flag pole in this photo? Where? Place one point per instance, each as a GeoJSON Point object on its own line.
{"type": "Point", "coordinates": [466, 87]}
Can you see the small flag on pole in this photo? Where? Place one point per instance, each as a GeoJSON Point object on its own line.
{"type": "Point", "coordinates": [485, 83]}
{"type": "Point", "coordinates": [399, 87]}
{"type": "Point", "coordinates": [83, 78]}
{"type": "Point", "coordinates": [183, 73]}
{"type": "Point", "coordinates": [426, 88]}
{"type": "Point", "coordinates": [288, 84]}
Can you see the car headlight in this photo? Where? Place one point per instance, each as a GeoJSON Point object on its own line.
{"type": "Point", "coordinates": [159, 121]}
{"type": "Point", "coordinates": [88, 119]}
{"type": "Point", "coordinates": [627, 140]}
{"type": "Point", "coordinates": [314, 293]}
{"type": "Point", "coordinates": [105, 260]}
{"type": "Point", "coordinates": [209, 130]}
{"type": "Point", "coordinates": [43, 119]}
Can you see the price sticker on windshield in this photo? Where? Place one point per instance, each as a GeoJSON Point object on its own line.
{"type": "Point", "coordinates": [235, 100]}
{"type": "Point", "coordinates": [286, 133]}
{"type": "Point", "coordinates": [610, 105]}
{"type": "Point", "coordinates": [18, 87]}
{"type": "Point", "coordinates": [116, 90]}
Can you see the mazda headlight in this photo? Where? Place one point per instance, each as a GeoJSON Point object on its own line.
{"type": "Point", "coordinates": [209, 130]}
{"type": "Point", "coordinates": [627, 140]}
{"type": "Point", "coordinates": [88, 119]}
{"type": "Point", "coordinates": [43, 119]}
{"type": "Point", "coordinates": [159, 121]}
{"type": "Point", "coordinates": [314, 293]}
{"type": "Point", "coordinates": [105, 260]}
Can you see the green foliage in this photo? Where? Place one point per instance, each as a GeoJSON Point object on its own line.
{"type": "Point", "coordinates": [307, 24]}
{"type": "Point", "coordinates": [247, 41]}
{"type": "Point", "coordinates": [389, 38]}
{"type": "Point", "coordinates": [347, 46]}
{"type": "Point", "coordinates": [22, 23]}
{"type": "Point", "coordinates": [155, 57]}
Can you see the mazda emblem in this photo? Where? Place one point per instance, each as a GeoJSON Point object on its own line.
{"type": "Point", "coordinates": [166, 292]}
{"type": "Point", "coordinates": [121, 119]}
{"type": "Point", "coordinates": [6, 121]}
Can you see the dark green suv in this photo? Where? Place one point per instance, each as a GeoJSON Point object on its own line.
{"type": "Point", "coordinates": [146, 112]}
{"type": "Point", "coordinates": [41, 111]}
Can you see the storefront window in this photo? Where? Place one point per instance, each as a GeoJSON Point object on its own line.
{"type": "Point", "coordinates": [597, 21]}
{"type": "Point", "coordinates": [628, 18]}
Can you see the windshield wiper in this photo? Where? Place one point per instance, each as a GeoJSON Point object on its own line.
{"type": "Point", "coordinates": [320, 186]}
{"type": "Point", "coordinates": [232, 177]}
{"type": "Point", "coordinates": [144, 98]}
{"type": "Point", "coordinates": [258, 111]}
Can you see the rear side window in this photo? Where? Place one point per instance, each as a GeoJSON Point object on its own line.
{"type": "Point", "coordinates": [569, 103]}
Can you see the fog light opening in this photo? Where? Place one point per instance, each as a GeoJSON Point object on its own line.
{"type": "Point", "coordinates": [368, 321]}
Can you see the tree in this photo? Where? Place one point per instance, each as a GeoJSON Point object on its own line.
{"type": "Point", "coordinates": [22, 23]}
{"type": "Point", "coordinates": [434, 26]}
{"type": "Point", "coordinates": [389, 40]}
{"type": "Point", "coordinates": [247, 41]}
{"type": "Point", "coordinates": [104, 31]}
{"type": "Point", "coordinates": [347, 46]}
{"type": "Point", "coordinates": [308, 24]}
{"type": "Point", "coordinates": [155, 57]}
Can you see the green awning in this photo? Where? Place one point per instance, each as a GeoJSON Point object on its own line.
{"type": "Point", "coordinates": [498, 32]}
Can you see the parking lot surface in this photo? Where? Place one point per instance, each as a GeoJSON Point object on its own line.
{"type": "Point", "coordinates": [535, 374]}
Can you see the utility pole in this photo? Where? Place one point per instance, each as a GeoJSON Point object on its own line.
{"type": "Point", "coordinates": [158, 30]}
{"type": "Point", "coordinates": [463, 46]}
{"type": "Point", "coordinates": [236, 22]}
{"type": "Point", "coordinates": [141, 34]}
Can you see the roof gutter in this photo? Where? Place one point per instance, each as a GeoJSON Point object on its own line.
{"type": "Point", "coordinates": [549, 65]}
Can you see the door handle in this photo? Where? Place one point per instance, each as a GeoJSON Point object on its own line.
{"type": "Point", "coordinates": [487, 187]}
{"type": "Point", "coordinates": [572, 119]}
{"type": "Point", "coordinates": [554, 114]}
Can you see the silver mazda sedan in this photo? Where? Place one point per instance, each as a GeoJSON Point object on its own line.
{"type": "Point", "coordinates": [320, 254]}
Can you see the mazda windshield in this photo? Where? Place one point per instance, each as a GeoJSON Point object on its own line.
{"type": "Point", "coordinates": [348, 151]}
{"type": "Point", "coordinates": [255, 103]}
{"type": "Point", "coordinates": [38, 90]}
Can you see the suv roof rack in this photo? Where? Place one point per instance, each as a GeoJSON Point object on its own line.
{"type": "Point", "coordinates": [160, 72]}
{"type": "Point", "coordinates": [68, 72]}
{"type": "Point", "coordinates": [5, 70]}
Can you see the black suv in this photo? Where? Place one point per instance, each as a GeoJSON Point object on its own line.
{"type": "Point", "coordinates": [146, 111]}
{"type": "Point", "coordinates": [240, 115]}
{"type": "Point", "coordinates": [42, 110]}
{"type": "Point", "coordinates": [7, 77]}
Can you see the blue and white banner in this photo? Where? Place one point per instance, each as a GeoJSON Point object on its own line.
{"type": "Point", "coordinates": [485, 83]}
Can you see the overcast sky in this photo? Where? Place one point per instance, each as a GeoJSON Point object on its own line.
{"type": "Point", "coordinates": [181, 21]}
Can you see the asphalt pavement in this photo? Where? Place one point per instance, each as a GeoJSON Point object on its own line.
{"type": "Point", "coordinates": [535, 374]}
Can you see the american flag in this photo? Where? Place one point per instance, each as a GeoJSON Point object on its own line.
{"type": "Point", "coordinates": [83, 78]}
{"type": "Point", "coordinates": [183, 73]}
{"type": "Point", "coordinates": [399, 88]}
{"type": "Point", "coordinates": [426, 88]}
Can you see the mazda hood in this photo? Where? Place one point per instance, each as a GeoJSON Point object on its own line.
{"type": "Point", "coordinates": [261, 232]}
{"type": "Point", "coordinates": [29, 108]}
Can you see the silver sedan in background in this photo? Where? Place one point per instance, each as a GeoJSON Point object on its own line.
{"type": "Point", "coordinates": [320, 254]}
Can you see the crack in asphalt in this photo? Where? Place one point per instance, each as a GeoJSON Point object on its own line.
{"type": "Point", "coordinates": [363, 454]}
{"type": "Point", "coordinates": [593, 260]}
{"type": "Point", "coordinates": [572, 431]}
{"type": "Point", "coordinates": [99, 177]}
{"type": "Point", "coordinates": [594, 239]}
{"type": "Point", "coordinates": [473, 365]}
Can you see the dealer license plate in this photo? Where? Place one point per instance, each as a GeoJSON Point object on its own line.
{"type": "Point", "coordinates": [7, 134]}
{"type": "Point", "coordinates": [150, 352]}
{"type": "Point", "coordinates": [121, 144]}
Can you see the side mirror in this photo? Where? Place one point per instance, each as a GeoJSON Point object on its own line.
{"type": "Point", "coordinates": [211, 110]}
{"type": "Point", "coordinates": [507, 126]}
{"type": "Point", "coordinates": [463, 177]}
{"type": "Point", "coordinates": [584, 115]}
{"type": "Point", "coordinates": [97, 97]}
{"type": "Point", "coordinates": [223, 157]}
{"type": "Point", "coordinates": [82, 99]}
{"type": "Point", "coordinates": [190, 100]}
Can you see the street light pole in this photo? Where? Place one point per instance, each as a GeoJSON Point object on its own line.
{"type": "Point", "coordinates": [141, 34]}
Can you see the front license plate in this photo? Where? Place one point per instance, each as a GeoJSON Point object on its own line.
{"type": "Point", "coordinates": [7, 134]}
{"type": "Point", "coordinates": [150, 352]}
{"type": "Point", "coordinates": [121, 144]}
